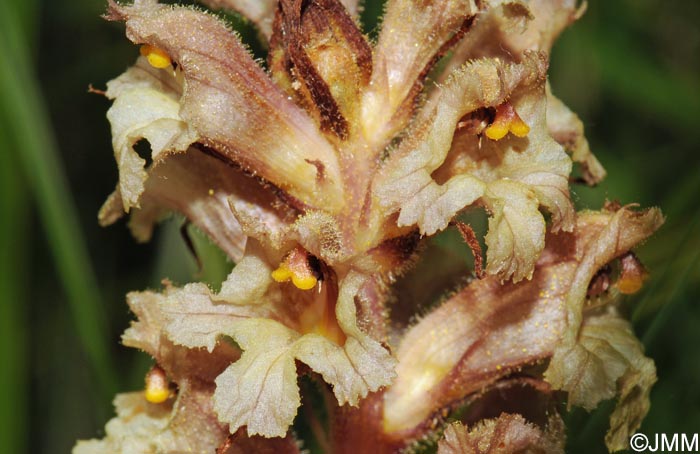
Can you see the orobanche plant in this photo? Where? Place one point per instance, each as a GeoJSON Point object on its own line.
{"type": "Point", "coordinates": [322, 173]}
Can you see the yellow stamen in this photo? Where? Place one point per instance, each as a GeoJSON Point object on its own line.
{"type": "Point", "coordinates": [157, 388]}
{"type": "Point", "coordinates": [519, 128]}
{"type": "Point", "coordinates": [282, 274]}
{"type": "Point", "coordinates": [296, 267]}
{"type": "Point", "coordinates": [506, 120]}
{"type": "Point", "coordinates": [155, 56]}
{"type": "Point", "coordinates": [304, 282]}
{"type": "Point", "coordinates": [632, 275]}
{"type": "Point", "coordinates": [497, 130]}
{"type": "Point", "coordinates": [629, 286]}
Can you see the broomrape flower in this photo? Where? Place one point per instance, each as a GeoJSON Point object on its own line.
{"type": "Point", "coordinates": [321, 178]}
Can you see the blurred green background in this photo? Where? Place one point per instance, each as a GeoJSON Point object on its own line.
{"type": "Point", "coordinates": [630, 68]}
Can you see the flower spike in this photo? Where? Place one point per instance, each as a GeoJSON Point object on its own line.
{"type": "Point", "coordinates": [323, 176]}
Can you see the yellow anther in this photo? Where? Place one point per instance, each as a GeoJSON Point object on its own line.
{"type": "Point", "coordinates": [496, 131]}
{"type": "Point", "coordinates": [156, 57]}
{"type": "Point", "coordinates": [630, 285]}
{"type": "Point", "coordinates": [297, 268]}
{"type": "Point", "coordinates": [282, 274]}
{"type": "Point", "coordinates": [157, 387]}
{"type": "Point", "coordinates": [304, 282]}
{"type": "Point", "coordinates": [506, 120]}
{"type": "Point", "coordinates": [157, 396]}
{"type": "Point", "coordinates": [519, 128]}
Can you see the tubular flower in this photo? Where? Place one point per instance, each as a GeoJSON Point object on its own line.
{"type": "Point", "coordinates": [322, 179]}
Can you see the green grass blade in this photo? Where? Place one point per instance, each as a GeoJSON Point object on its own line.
{"type": "Point", "coordinates": [14, 349]}
{"type": "Point", "coordinates": [22, 107]}
{"type": "Point", "coordinates": [673, 282]}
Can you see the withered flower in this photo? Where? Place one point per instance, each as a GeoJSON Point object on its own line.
{"type": "Point", "coordinates": [321, 178]}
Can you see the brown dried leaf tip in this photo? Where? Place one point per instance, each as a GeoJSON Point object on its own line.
{"type": "Point", "coordinates": [322, 178]}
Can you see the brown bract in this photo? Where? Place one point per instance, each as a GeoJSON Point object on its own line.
{"type": "Point", "coordinates": [321, 177]}
{"type": "Point", "coordinates": [506, 434]}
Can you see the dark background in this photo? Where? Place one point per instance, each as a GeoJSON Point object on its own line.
{"type": "Point", "coordinates": [630, 68]}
